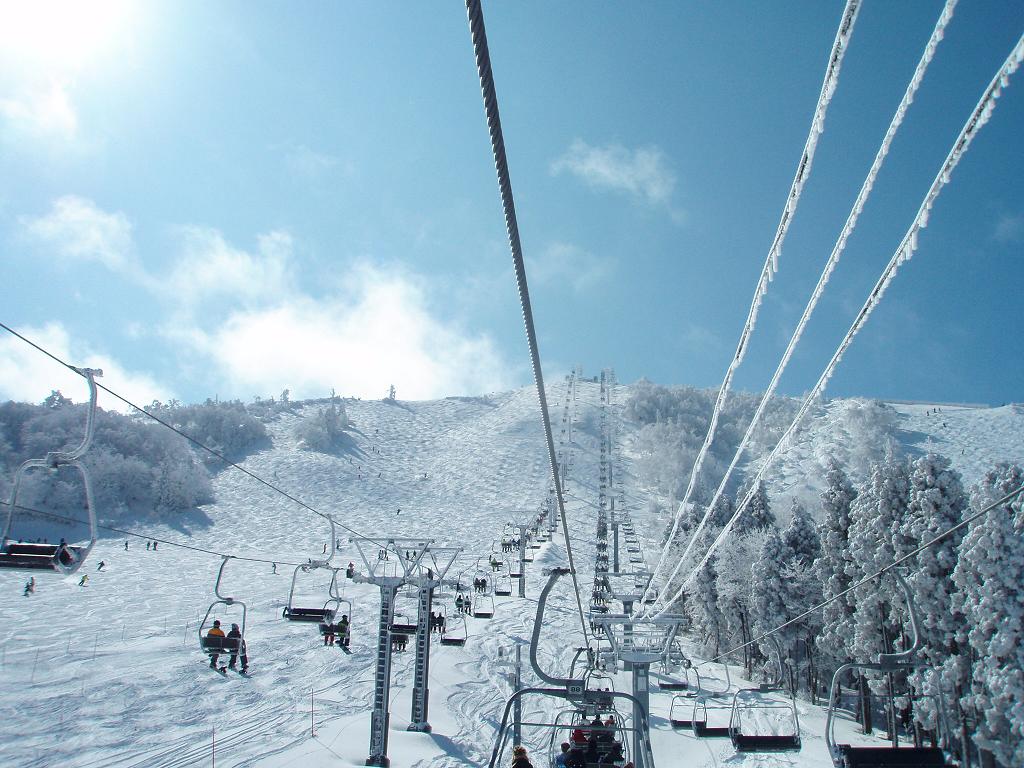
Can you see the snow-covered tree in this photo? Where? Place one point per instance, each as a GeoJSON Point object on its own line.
{"type": "Point", "coordinates": [936, 504]}
{"type": "Point", "coordinates": [832, 566]}
{"type": "Point", "coordinates": [991, 598]}
{"type": "Point", "coordinates": [768, 607]}
{"type": "Point", "coordinates": [801, 535]}
{"type": "Point", "coordinates": [758, 515]}
{"type": "Point", "coordinates": [322, 428]}
{"type": "Point", "coordinates": [733, 567]}
{"type": "Point", "coordinates": [879, 508]}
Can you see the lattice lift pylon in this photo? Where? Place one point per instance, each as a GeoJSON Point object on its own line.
{"type": "Point", "coordinates": [388, 574]}
{"type": "Point", "coordinates": [645, 643]}
{"type": "Point", "coordinates": [440, 562]}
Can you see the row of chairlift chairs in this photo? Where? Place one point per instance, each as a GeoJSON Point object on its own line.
{"type": "Point", "coordinates": [453, 629]}
{"type": "Point", "coordinates": [737, 714]}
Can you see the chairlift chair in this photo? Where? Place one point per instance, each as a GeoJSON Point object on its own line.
{"type": "Point", "coordinates": [699, 719]}
{"type": "Point", "coordinates": [319, 615]}
{"type": "Point", "coordinates": [218, 646]}
{"type": "Point", "coordinates": [857, 756]}
{"type": "Point", "coordinates": [567, 721]}
{"type": "Point", "coordinates": [503, 585]}
{"type": "Point", "coordinates": [402, 624]}
{"type": "Point", "coordinates": [483, 606]}
{"type": "Point", "coordinates": [60, 557]}
{"type": "Point", "coordinates": [454, 630]}
{"type": "Point", "coordinates": [336, 604]}
{"type": "Point", "coordinates": [753, 700]}
{"type": "Point", "coordinates": [680, 711]}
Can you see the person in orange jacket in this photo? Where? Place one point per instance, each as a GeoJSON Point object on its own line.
{"type": "Point", "coordinates": [215, 631]}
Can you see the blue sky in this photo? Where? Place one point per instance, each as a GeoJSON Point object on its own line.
{"type": "Point", "coordinates": [232, 199]}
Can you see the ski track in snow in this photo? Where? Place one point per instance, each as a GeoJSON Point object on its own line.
{"type": "Point", "coordinates": [111, 674]}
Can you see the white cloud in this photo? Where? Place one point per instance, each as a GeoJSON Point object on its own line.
{"type": "Point", "coordinates": [308, 163]}
{"type": "Point", "coordinates": [46, 113]}
{"type": "Point", "coordinates": [642, 173]}
{"type": "Point", "coordinates": [1009, 229]}
{"type": "Point", "coordinates": [570, 264]}
{"type": "Point", "coordinates": [211, 268]}
{"type": "Point", "coordinates": [378, 331]}
{"type": "Point", "coordinates": [28, 375]}
{"type": "Point", "coordinates": [77, 229]}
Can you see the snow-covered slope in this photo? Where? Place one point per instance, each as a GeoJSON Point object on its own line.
{"type": "Point", "coordinates": [973, 438]}
{"type": "Point", "coordinates": [110, 674]}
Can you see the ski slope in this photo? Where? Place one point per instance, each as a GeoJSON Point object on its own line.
{"type": "Point", "coordinates": [110, 674]}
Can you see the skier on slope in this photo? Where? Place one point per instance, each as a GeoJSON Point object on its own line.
{"type": "Point", "coordinates": [30, 586]}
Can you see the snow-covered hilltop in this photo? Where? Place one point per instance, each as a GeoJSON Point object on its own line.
{"type": "Point", "coordinates": [111, 674]}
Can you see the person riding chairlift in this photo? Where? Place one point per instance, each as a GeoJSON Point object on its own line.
{"type": "Point", "coordinates": [215, 631]}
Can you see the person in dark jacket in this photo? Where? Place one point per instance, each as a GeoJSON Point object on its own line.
{"type": "Point", "coordinates": [344, 631]}
{"type": "Point", "coordinates": [519, 758]}
{"type": "Point", "coordinates": [238, 649]}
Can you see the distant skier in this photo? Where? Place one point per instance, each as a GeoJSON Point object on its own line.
{"type": "Point", "coordinates": [84, 581]}
{"type": "Point", "coordinates": [325, 548]}
{"type": "Point", "coordinates": [102, 565]}
{"type": "Point", "coordinates": [126, 545]}
{"type": "Point", "coordinates": [273, 568]}
{"type": "Point", "coordinates": [351, 570]}
{"type": "Point", "coordinates": [458, 602]}
{"type": "Point", "coordinates": [30, 586]}
{"type": "Point", "coordinates": [154, 546]}
{"type": "Point", "coordinates": [147, 546]}
{"type": "Point", "coordinates": [398, 512]}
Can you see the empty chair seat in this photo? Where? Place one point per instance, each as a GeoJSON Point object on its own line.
{"type": "Point", "coordinates": [770, 743]}
{"type": "Point", "coordinates": [887, 757]}
{"type": "Point", "coordinates": [704, 731]}
{"type": "Point", "coordinates": [43, 557]}
{"type": "Point", "coordinates": [308, 614]}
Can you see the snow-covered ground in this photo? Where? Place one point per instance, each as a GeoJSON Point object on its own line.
{"type": "Point", "coordinates": [111, 674]}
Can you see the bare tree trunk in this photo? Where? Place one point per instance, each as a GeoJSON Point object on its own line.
{"type": "Point", "coordinates": [865, 704]}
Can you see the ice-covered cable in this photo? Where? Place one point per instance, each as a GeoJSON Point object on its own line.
{"type": "Point", "coordinates": [908, 245]}
{"type": "Point", "coordinates": [771, 264]}
{"type": "Point", "coordinates": [837, 251]}
{"type": "Point", "coordinates": [483, 65]}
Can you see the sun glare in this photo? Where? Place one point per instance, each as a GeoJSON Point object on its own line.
{"type": "Point", "coordinates": [59, 34]}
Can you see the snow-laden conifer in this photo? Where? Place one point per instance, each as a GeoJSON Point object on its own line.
{"type": "Point", "coordinates": [833, 565]}
{"type": "Point", "coordinates": [936, 504]}
{"type": "Point", "coordinates": [758, 515]}
{"type": "Point", "coordinates": [879, 507]}
{"type": "Point", "coordinates": [990, 596]}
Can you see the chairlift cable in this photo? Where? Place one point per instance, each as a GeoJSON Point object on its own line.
{"type": "Point", "coordinates": [896, 563]}
{"type": "Point", "coordinates": [195, 442]}
{"type": "Point", "coordinates": [490, 98]}
{"type": "Point", "coordinates": [168, 542]}
{"type": "Point", "coordinates": [905, 250]}
{"type": "Point", "coordinates": [867, 186]}
{"type": "Point", "coordinates": [771, 264]}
